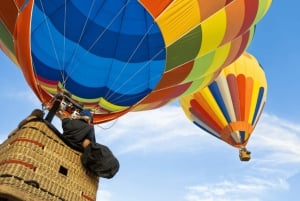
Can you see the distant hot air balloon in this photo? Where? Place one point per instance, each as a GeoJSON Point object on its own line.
{"type": "Point", "coordinates": [111, 54]}
{"type": "Point", "coordinates": [230, 107]}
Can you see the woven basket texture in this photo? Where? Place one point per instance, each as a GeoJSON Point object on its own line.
{"type": "Point", "coordinates": [35, 164]}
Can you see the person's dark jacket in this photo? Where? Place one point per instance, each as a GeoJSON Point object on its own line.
{"type": "Point", "coordinates": [96, 157]}
{"type": "Point", "coordinates": [76, 130]}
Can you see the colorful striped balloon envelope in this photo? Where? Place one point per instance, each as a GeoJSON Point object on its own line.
{"type": "Point", "coordinates": [111, 55]}
{"type": "Point", "coordinates": [230, 107]}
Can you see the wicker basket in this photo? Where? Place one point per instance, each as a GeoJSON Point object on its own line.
{"type": "Point", "coordinates": [35, 164]}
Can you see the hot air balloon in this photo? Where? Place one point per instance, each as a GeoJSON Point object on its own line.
{"type": "Point", "coordinates": [230, 107]}
{"type": "Point", "coordinates": [108, 55]}
{"type": "Point", "coordinates": [237, 33]}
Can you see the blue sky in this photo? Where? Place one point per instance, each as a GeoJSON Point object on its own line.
{"type": "Point", "coordinates": [164, 157]}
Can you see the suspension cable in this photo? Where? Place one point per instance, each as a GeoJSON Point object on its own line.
{"type": "Point", "coordinates": [74, 52]}
{"type": "Point", "coordinates": [138, 71]}
{"type": "Point", "coordinates": [97, 39]}
{"type": "Point", "coordinates": [110, 126]}
{"type": "Point", "coordinates": [50, 35]}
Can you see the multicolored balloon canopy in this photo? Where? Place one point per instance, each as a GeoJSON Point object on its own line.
{"type": "Point", "coordinates": [230, 107]}
{"type": "Point", "coordinates": [116, 55]}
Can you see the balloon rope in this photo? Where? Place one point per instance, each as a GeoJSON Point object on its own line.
{"type": "Point", "coordinates": [77, 43]}
{"type": "Point", "coordinates": [97, 39]}
{"type": "Point", "coordinates": [129, 59]}
{"type": "Point", "coordinates": [131, 77]}
{"type": "Point", "coordinates": [39, 87]}
{"type": "Point", "coordinates": [111, 22]}
{"type": "Point", "coordinates": [22, 6]}
{"type": "Point", "coordinates": [64, 48]}
{"type": "Point", "coordinates": [50, 35]}
{"type": "Point", "coordinates": [131, 89]}
{"type": "Point", "coordinates": [110, 126]}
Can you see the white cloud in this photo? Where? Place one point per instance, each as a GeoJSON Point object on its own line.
{"type": "Point", "coordinates": [222, 191]}
{"type": "Point", "coordinates": [169, 129]}
{"type": "Point", "coordinates": [278, 140]}
{"type": "Point", "coordinates": [274, 146]}
{"type": "Point", "coordinates": [275, 143]}
{"type": "Point", "coordinates": [247, 189]}
{"type": "Point", "coordinates": [166, 129]}
{"type": "Point", "coordinates": [25, 95]}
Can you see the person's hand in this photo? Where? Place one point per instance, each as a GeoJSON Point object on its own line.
{"type": "Point", "coordinates": [61, 114]}
{"type": "Point", "coordinates": [85, 143]}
